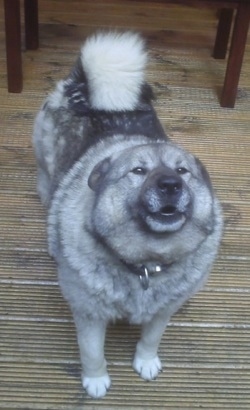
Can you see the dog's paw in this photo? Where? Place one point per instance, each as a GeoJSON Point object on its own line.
{"type": "Point", "coordinates": [148, 369]}
{"type": "Point", "coordinates": [96, 387]}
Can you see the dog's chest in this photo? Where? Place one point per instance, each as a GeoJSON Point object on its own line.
{"type": "Point", "coordinates": [123, 297]}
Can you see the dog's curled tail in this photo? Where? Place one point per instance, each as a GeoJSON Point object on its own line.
{"type": "Point", "coordinates": [114, 67]}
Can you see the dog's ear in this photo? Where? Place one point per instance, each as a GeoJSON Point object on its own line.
{"type": "Point", "coordinates": [98, 173]}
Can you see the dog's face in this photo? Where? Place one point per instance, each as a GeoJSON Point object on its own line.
{"type": "Point", "coordinates": [153, 190]}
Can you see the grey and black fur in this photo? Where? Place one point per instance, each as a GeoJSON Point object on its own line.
{"type": "Point", "coordinates": [134, 225]}
{"type": "Point", "coordinates": [85, 125]}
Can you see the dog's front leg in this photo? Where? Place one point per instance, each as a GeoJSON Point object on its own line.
{"type": "Point", "coordinates": [146, 361]}
{"type": "Point", "coordinates": [91, 339]}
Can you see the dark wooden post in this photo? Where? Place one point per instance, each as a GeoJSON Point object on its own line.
{"type": "Point", "coordinates": [31, 24]}
{"type": "Point", "coordinates": [223, 33]}
{"type": "Point", "coordinates": [13, 45]}
{"type": "Point", "coordinates": [236, 55]}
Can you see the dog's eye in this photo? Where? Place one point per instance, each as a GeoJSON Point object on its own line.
{"type": "Point", "coordinates": [182, 170]}
{"type": "Point", "coordinates": [139, 171]}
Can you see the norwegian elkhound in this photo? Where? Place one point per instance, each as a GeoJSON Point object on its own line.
{"type": "Point", "coordinates": [133, 224]}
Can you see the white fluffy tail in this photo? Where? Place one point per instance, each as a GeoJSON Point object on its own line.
{"type": "Point", "coordinates": [114, 66]}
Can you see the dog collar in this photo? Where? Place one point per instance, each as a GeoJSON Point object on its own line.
{"type": "Point", "coordinates": [144, 273]}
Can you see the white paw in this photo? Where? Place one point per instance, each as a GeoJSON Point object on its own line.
{"type": "Point", "coordinates": [147, 369]}
{"type": "Point", "coordinates": [96, 387]}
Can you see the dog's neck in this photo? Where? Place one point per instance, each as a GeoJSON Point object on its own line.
{"type": "Point", "coordinates": [144, 272]}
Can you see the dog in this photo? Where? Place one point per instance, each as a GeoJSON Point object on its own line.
{"type": "Point", "coordinates": [133, 222]}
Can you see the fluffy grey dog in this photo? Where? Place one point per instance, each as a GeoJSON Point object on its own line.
{"type": "Point", "coordinates": [134, 224]}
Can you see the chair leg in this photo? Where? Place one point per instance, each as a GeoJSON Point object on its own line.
{"type": "Point", "coordinates": [31, 24]}
{"type": "Point", "coordinates": [13, 45]}
{"type": "Point", "coordinates": [223, 33]}
{"type": "Point", "coordinates": [236, 55]}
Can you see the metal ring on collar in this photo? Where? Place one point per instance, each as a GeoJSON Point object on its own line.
{"type": "Point", "coordinates": [144, 278]}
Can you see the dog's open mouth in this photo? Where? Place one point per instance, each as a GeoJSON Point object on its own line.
{"type": "Point", "coordinates": [168, 210]}
{"type": "Point", "coordinates": [166, 219]}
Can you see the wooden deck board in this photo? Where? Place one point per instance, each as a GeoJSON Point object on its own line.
{"type": "Point", "coordinates": [205, 350]}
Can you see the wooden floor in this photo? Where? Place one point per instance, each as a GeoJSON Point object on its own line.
{"type": "Point", "coordinates": [206, 349]}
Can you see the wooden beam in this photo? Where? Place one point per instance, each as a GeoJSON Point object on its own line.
{"type": "Point", "coordinates": [236, 55]}
{"type": "Point", "coordinates": [31, 24]}
{"type": "Point", "coordinates": [223, 33]}
{"type": "Point", "coordinates": [13, 45]}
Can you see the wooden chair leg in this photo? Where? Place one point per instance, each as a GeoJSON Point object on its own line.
{"type": "Point", "coordinates": [31, 24]}
{"type": "Point", "coordinates": [13, 45]}
{"type": "Point", "coordinates": [236, 55]}
{"type": "Point", "coordinates": [223, 33]}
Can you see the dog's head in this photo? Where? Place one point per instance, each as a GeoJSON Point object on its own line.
{"type": "Point", "coordinates": [152, 190]}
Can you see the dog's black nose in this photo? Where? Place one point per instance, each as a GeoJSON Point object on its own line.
{"type": "Point", "coordinates": [169, 184]}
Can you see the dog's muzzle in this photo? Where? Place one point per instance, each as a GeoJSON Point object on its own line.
{"type": "Point", "coordinates": [164, 202]}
